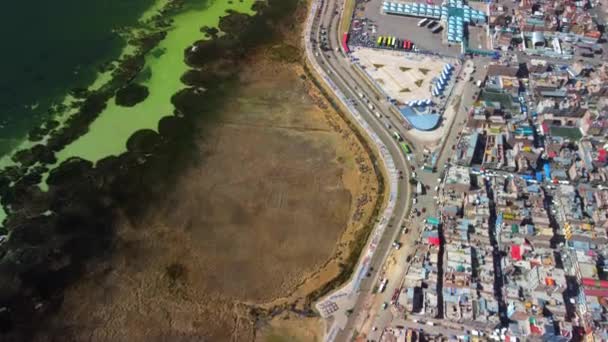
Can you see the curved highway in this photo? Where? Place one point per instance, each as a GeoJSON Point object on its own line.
{"type": "Point", "coordinates": [329, 69]}
{"type": "Point", "coordinates": [354, 306]}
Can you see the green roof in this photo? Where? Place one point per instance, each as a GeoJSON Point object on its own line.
{"type": "Point", "coordinates": [505, 100]}
{"type": "Point", "coordinates": [514, 228]}
{"type": "Point", "coordinates": [573, 133]}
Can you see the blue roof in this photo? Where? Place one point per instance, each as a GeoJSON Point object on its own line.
{"type": "Point", "coordinates": [547, 169]}
{"type": "Point", "coordinates": [456, 12]}
{"type": "Point", "coordinates": [423, 122]}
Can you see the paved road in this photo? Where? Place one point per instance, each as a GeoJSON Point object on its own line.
{"type": "Point", "coordinates": [377, 317]}
{"type": "Point", "coordinates": [356, 297]}
{"type": "Point", "coordinates": [338, 79]}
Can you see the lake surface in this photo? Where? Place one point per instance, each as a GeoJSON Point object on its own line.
{"type": "Point", "coordinates": [50, 47]}
{"type": "Point", "coordinates": [55, 47]}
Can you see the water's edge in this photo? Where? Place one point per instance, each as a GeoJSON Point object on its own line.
{"type": "Point", "coordinates": [54, 233]}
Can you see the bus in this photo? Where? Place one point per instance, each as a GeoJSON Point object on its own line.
{"type": "Point", "coordinates": [405, 148]}
{"type": "Point", "coordinates": [379, 41]}
{"type": "Point", "coordinates": [393, 41]}
{"type": "Point", "coordinates": [384, 41]}
{"type": "Point", "coordinates": [423, 22]}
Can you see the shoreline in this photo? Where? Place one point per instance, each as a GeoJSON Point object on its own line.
{"type": "Point", "coordinates": [54, 234]}
{"type": "Point", "coordinates": [102, 78]}
{"type": "Point", "coordinates": [109, 133]}
{"type": "Point", "coordinates": [100, 139]}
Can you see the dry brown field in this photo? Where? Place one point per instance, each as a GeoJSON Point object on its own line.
{"type": "Point", "coordinates": [266, 218]}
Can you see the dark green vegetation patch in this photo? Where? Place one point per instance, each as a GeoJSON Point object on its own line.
{"type": "Point", "coordinates": [131, 95]}
{"type": "Point", "coordinates": [53, 234]}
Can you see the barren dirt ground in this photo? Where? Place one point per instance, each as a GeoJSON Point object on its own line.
{"type": "Point", "coordinates": [263, 221]}
{"type": "Point", "coordinates": [291, 328]}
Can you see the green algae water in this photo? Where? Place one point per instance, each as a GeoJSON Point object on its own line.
{"type": "Point", "coordinates": [50, 47]}
{"type": "Point", "coordinates": [164, 67]}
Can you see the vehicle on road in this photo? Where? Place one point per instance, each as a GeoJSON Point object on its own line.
{"type": "Point", "coordinates": [397, 136]}
{"type": "Point", "coordinates": [423, 22]}
{"type": "Point", "coordinates": [382, 286]}
{"type": "Point", "coordinates": [384, 305]}
{"type": "Point", "coordinates": [437, 29]}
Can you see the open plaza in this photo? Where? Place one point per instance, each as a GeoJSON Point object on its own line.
{"type": "Point", "coordinates": [417, 84]}
{"type": "Point", "coordinates": [403, 76]}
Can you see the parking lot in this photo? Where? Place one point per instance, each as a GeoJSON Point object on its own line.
{"type": "Point", "coordinates": [402, 27]}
